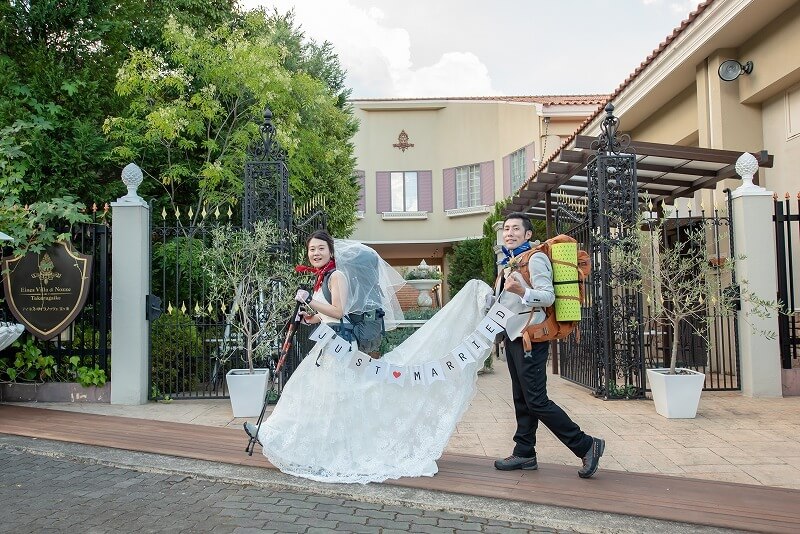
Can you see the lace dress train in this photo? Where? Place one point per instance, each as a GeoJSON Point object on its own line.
{"type": "Point", "coordinates": [334, 424]}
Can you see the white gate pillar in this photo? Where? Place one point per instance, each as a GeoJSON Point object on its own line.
{"type": "Point", "coordinates": [753, 233]}
{"type": "Point", "coordinates": [131, 276]}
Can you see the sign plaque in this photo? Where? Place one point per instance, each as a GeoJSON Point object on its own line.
{"type": "Point", "coordinates": [45, 291]}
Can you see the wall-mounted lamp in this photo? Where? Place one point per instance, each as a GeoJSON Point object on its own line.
{"type": "Point", "coordinates": [731, 69]}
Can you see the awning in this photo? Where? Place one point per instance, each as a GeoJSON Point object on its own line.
{"type": "Point", "coordinates": [664, 172]}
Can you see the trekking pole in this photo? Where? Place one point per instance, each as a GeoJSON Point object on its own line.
{"type": "Point", "coordinates": [251, 429]}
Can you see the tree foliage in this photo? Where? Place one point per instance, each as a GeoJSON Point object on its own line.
{"type": "Point", "coordinates": [58, 62]}
{"type": "Point", "coordinates": [196, 108]}
{"type": "Point", "coordinates": [465, 264]}
{"type": "Point", "coordinates": [249, 275]}
{"type": "Point", "coordinates": [683, 283]}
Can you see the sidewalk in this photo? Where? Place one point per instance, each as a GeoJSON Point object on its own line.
{"type": "Point", "coordinates": [732, 439]}
{"type": "Point", "coordinates": [632, 492]}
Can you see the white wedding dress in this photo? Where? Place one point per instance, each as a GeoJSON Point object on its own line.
{"type": "Point", "coordinates": [334, 424]}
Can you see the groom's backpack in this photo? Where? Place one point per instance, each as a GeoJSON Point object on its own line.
{"type": "Point", "coordinates": [571, 267]}
{"type": "Point", "coordinates": [367, 327]}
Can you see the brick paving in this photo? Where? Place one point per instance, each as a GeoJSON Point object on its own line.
{"type": "Point", "coordinates": [41, 494]}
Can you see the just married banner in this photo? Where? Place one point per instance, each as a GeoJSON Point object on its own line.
{"type": "Point", "coordinates": [473, 348]}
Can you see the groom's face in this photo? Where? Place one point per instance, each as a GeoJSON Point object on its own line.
{"type": "Point", "coordinates": [514, 233]}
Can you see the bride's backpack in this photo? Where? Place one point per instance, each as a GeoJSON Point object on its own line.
{"type": "Point", "coordinates": [571, 267]}
{"type": "Point", "coordinates": [366, 327]}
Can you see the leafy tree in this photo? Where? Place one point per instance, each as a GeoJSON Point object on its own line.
{"type": "Point", "coordinates": [248, 274]}
{"type": "Point", "coordinates": [37, 226]}
{"type": "Point", "coordinates": [465, 264]}
{"type": "Point", "coordinates": [196, 108]}
{"type": "Point", "coordinates": [58, 62]}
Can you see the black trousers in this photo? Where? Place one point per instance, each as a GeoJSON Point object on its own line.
{"type": "Point", "coordinates": [531, 404]}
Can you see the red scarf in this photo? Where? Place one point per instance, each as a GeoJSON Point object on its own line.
{"type": "Point", "coordinates": [330, 266]}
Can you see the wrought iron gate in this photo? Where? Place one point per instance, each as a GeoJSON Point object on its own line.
{"type": "Point", "coordinates": [192, 347]}
{"type": "Point", "coordinates": [619, 336]}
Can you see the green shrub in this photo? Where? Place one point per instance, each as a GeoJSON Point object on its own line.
{"type": "Point", "coordinates": [431, 273]}
{"type": "Point", "coordinates": [465, 264]}
{"type": "Point", "coordinates": [28, 364]}
{"type": "Point", "coordinates": [174, 342]}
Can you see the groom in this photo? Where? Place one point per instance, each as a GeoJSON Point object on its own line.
{"type": "Point", "coordinates": [528, 370]}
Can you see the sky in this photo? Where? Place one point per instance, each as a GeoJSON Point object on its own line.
{"type": "Point", "coordinates": [437, 48]}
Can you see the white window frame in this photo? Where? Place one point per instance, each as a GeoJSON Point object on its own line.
{"type": "Point", "coordinates": [518, 170]}
{"type": "Point", "coordinates": [399, 182]}
{"type": "Point", "coordinates": [468, 186]}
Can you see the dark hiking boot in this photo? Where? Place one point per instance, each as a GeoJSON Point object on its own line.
{"type": "Point", "coordinates": [591, 460]}
{"type": "Point", "coordinates": [516, 462]}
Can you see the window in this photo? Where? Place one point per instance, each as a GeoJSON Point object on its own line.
{"type": "Point", "coordinates": [468, 186]}
{"type": "Point", "coordinates": [517, 169]}
{"type": "Point", "coordinates": [403, 186]}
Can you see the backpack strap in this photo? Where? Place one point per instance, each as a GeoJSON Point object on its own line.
{"type": "Point", "coordinates": [326, 289]}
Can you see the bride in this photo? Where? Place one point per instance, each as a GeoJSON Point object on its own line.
{"type": "Point", "coordinates": [334, 423]}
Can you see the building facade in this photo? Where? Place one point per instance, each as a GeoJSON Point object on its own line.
{"type": "Point", "coordinates": [432, 169]}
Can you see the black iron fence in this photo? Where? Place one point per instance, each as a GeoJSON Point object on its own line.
{"type": "Point", "coordinates": [89, 335]}
{"type": "Point", "coordinates": [708, 342]}
{"type": "Point", "coordinates": [190, 340]}
{"type": "Point", "coordinates": [787, 232]}
{"type": "Point", "coordinates": [193, 343]}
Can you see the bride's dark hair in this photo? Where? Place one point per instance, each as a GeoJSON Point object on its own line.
{"type": "Point", "coordinates": [322, 235]}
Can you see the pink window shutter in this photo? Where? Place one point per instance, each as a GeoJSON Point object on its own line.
{"type": "Point", "coordinates": [382, 192]}
{"type": "Point", "coordinates": [425, 191]}
{"type": "Point", "coordinates": [530, 155]}
{"type": "Point", "coordinates": [506, 176]}
{"type": "Point", "coordinates": [449, 188]}
{"type": "Point", "coordinates": [361, 180]}
{"type": "Point", "coordinates": [487, 183]}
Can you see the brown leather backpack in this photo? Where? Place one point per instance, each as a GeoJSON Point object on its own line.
{"type": "Point", "coordinates": [551, 329]}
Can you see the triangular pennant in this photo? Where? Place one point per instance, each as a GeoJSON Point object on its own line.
{"type": "Point", "coordinates": [433, 372]}
{"type": "Point", "coordinates": [489, 329]}
{"type": "Point", "coordinates": [499, 314]}
{"type": "Point", "coordinates": [396, 374]}
{"type": "Point", "coordinates": [417, 376]}
{"type": "Point", "coordinates": [359, 361]}
{"type": "Point", "coordinates": [337, 347]}
{"type": "Point", "coordinates": [462, 355]}
{"type": "Point", "coordinates": [323, 333]}
{"type": "Point", "coordinates": [376, 370]}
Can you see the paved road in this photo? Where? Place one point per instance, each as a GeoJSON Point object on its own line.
{"type": "Point", "coordinates": [41, 494]}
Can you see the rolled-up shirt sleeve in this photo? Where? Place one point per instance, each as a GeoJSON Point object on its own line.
{"type": "Point", "coordinates": [541, 292]}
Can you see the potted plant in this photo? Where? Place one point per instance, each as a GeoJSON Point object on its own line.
{"type": "Point", "coordinates": [423, 278]}
{"type": "Point", "coordinates": [680, 282]}
{"type": "Point", "coordinates": [251, 281]}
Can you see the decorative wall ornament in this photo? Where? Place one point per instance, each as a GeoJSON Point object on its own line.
{"type": "Point", "coordinates": [46, 291]}
{"type": "Point", "coordinates": [402, 141]}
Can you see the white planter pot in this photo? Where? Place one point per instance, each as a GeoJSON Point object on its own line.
{"type": "Point", "coordinates": [424, 286]}
{"type": "Point", "coordinates": [676, 396]}
{"type": "Point", "coordinates": [247, 391]}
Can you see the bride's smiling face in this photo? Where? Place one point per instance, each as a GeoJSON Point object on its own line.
{"type": "Point", "coordinates": [319, 254]}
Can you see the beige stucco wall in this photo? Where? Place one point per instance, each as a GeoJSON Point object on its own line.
{"type": "Point", "coordinates": [674, 123]}
{"type": "Point", "coordinates": [775, 53]}
{"type": "Point", "coordinates": [784, 176]}
{"type": "Point", "coordinates": [447, 134]}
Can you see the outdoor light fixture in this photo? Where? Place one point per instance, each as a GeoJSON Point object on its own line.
{"type": "Point", "coordinates": [731, 69]}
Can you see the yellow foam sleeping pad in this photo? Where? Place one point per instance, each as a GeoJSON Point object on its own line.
{"type": "Point", "coordinates": [564, 257]}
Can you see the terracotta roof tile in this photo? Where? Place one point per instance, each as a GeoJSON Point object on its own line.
{"type": "Point", "coordinates": [534, 99]}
